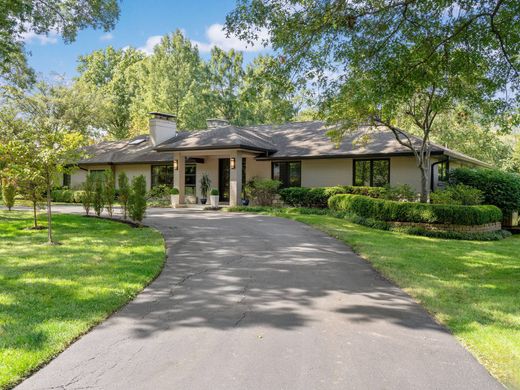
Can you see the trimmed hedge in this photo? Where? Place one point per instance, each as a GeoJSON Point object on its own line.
{"type": "Point", "coordinates": [387, 210]}
{"type": "Point", "coordinates": [500, 188]}
{"type": "Point", "coordinates": [319, 197]}
{"type": "Point", "coordinates": [67, 196]}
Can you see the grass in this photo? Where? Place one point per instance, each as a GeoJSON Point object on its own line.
{"type": "Point", "coordinates": [472, 287]}
{"type": "Point", "coordinates": [50, 295]}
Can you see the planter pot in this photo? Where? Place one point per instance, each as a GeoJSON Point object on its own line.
{"type": "Point", "coordinates": [214, 200]}
{"type": "Point", "coordinates": [203, 200]}
{"type": "Point", "coordinates": [245, 202]}
{"type": "Point", "coordinates": [175, 201]}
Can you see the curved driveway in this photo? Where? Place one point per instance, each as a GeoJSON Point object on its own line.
{"type": "Point", "coordinates": [255, 302]}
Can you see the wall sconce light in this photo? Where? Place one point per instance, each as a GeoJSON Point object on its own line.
{"type": "Point", "coordinates": [175, 165]}
{"type": "Point", "coordinates": [232, 163]}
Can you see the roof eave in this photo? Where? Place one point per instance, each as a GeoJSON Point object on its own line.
{"type": "Point", "coordinates": [214, 147]}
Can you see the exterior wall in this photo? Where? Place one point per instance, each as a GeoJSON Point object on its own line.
{"type": "Point", "coordinates": [257, 168]}
{"type": "Point", "coordinates": [210, 167]}
{"type": "Point", "coordinates": [326, 172]}
{"type": "Point", "coordinates": [77, 178]}
{"type": "Point", "coordinates": [133, 170]}
{"type": "Point", "coordinates": [404, 170]}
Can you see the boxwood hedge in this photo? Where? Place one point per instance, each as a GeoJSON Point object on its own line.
{"type": "Point", "coordinates": [391, 211]}
{"type": "Point", "coordinates": [319, 197]}
{"type": "Point", "coordinates": [67, 196]}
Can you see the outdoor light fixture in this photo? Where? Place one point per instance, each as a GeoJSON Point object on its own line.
{"type": "Point", "coordinates": [176, 165]}
{"type": "Point", "coordinates": [232, 162]}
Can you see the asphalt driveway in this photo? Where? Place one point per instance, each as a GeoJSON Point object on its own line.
{"type": "Point", "coordinates": [255, 302]}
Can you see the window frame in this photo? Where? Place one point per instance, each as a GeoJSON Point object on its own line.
{"type": "Point", "coordinates": [371, 178]}
{"type": "Point", "coordinates": [286, 172]}
{"type": "Point", "coordinates": [192, 188]}
{"type": "Point", "coordinates": [153, 183]}
{"type": "Point", "coordinates": [67, 180]}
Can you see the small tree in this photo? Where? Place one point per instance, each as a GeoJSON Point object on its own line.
{"type": "Point", "coordinates": [124, 192]}
{"type": "Point", "coordinates": [109, 191]}
{"type": "Point", "coordinates": [88, 196]}
{"type": "Point", "coordinates": [99, 197]}
{"type": "Point", "coordinates": [33, 190]}
{"type": "Point", "coordinates": [137, 199]}
{"type": "Point", "coordinates": [8, 192]}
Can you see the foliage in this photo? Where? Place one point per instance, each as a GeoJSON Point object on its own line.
{"type": "Point", "coordinates": [174, 191]}
{"type": "Point", "coordinates": [402, 193]}
{"type": "Point", "coordinates": [98, 200]}
{"type": "Point", "coordinates": [387, 210]}
{"type": "Point", "coordinates": [123, 192]}
{"type": "Point", "coordinates": [137, 199]}
{"type": "Point", "coordinates": [374, 65]}
{"type": "Point", "coordinates": [458, 194]}
{"type": "Point", "coordinates": [89, 189]}
{"type": "Point", "coordinates": [19, 20]}
{"type": "Point", "coordinates": [67, 196]}
{"type": "Point", "coordinates": [70, 288]}
{"type": "Point", "coordinates": [205, 185]}
{"type": "Point", "coordinates": [8, 192]}
{"type": "Point", "coordinates": [159, 191]}
{"type": "Point", "coordinates": [263, 191]}
{"type": "Point", "coordinates": [109, 191]}
{"type": "Point", "coordinates": [214, 192]}
{"type": "Point", "coordinates": [500, 188]}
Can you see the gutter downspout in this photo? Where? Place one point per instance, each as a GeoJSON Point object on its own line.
{"type": "Point", "coordinates": [447, 160]}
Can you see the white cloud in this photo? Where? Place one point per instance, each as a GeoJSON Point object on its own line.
{"type": "Point", "coordinates": [44, 39]}
{"type": "Point", "coordinates": [106, 37]}
{"type": "Point", "coordinates": [151, 42]}
{"type": "Point", "coordinates": [216, 36]}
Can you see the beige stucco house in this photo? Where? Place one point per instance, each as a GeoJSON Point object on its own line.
{"type": "Point", "coordinates": [296, 153]}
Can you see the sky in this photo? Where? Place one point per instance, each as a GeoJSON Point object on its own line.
{"type": "Point", "coordinates": [141, 24]}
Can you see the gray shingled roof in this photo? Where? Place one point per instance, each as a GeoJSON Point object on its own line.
{"type": "Point", "coordinates": [295, 140]}
{"type": "Point", "coordinates": [123, 152]}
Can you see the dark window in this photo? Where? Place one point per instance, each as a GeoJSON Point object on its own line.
{"type": "Point", "coordinates": [289, 173]}
{"type": "Point", "coordinates": [443, 170]}
{"type": "Point", "coordinates": [97, 174]}
{"type": "Point", "coordinates": [190, 179]}
{"type": "Point", "coordinates": [243, 171]}
{"type": "Point", "coordinates": [162, 174]}
{"type": "Point", "coordinates": [66, 180]}
{"type": "Point", "coordinates": [372, 173]}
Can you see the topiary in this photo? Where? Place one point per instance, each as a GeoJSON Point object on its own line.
{"type": "Point", "coordinates": [123, 192]}
{"type": "Point", "coordinates": [137, 199]}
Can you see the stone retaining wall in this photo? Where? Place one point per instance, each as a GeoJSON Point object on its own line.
{"type": "Point", "coordinates": [488, 227]}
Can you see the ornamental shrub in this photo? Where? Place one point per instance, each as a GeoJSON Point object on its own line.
{"type": "Point", "coordinates": [8, 193]}
{"type": "Point", "coordinates": [88, 193]}
{"type": "Point", "coordinates": [499, 188]}
{"type": "Point", "coordinates": [137, 199]}
{"type": "Point", "coordinates": [98, 199]}
{"type": "Point", "coordinates": [457, 194]}
{"type": "Point", "coordinates": [123, 192]}
{"type": "Point", "coordinates": [66, 196]}
{"type": "Point", "coordinates": [109, 191]}
{"type": "Point", "coordinates": [392, 211]}
{"type": "Point", "coordinates": [263, 191]}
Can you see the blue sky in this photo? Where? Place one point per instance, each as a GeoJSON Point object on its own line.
{"type": "Point", "coordinates": [140, 25]}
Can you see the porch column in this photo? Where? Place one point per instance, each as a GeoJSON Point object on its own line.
{"type": "Point", "coordinates": [179, 175]}
{"type": "Point", "coordinates": [235, 181]}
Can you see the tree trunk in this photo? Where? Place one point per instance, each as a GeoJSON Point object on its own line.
{"type": "Point", "coordinates": [425, 183]}
{"type": "Point", "coordinates": [35, 215]}
{"type": "Point", "coordinates": [49, 212]}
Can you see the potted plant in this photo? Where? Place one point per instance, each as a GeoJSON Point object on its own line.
{"type": "Point", "coordinates": [205, 184]}
{"type": "Point", "coordinates": [214, 197]}
{"type": "Point", "coordinates": [174, 194]}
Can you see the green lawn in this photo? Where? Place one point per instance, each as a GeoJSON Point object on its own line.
{"type": "Point", "coordinates": [49, 295]}
{"type": "Point", "coordinates": [472, 287]}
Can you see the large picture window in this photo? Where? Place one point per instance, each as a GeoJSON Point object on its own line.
{"type": "Point", "coordinates": [372, 173]}
{"type": "Point", "coordinates": [162, 174]}
{"type": "Point", "coordinates": [287, 172]}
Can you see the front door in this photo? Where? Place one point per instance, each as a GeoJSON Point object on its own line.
{"type": "Point", "coordinates": [223, 179]}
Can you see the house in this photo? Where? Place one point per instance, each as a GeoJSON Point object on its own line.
{"type": "Point", "coordinates": [297, 154]}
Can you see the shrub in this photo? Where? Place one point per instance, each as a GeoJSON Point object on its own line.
{"type": "Point", "coordinates": [205, 184]}
{"type": "Point", "coordinates": [214, 192]}
{"type": "Point", "coordinates": [109, 191]}
{"type": "Point", "coordinates": [123, 192]}
{"type": "Point", "coordinates": [8, 193]}
{"type": "Point", "coordinates": [67, 196]}
{"type": "Point", "coordinates": [263, 191]}
{"type": "Point", "coordinates": [373, 192]}
{"type": "Point", "coordinates": [309, 197]}
{"type": "Point", "coordinates": [401, 193]}
{"type": "Point", "coordinates": [501, 189]}
{"type": "Point", "coordinates": [387, 210]}
{"type": "Point", "coordinates": [175, 191]}
{"type": "Point", "coordinates": [137, 199]}
{"type": "Point", "coordinates": [78, 196]}
{"type": "Point", "coordinates": [457, 194]}
{"type": "Point", "coordinates": [160, 191]}
{"type": "Point", "coordinates": [88, 193]}
{"type": "Point", "coordinates": [98, 199]}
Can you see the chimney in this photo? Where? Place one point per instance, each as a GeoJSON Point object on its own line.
{"type": "Point", "coordinates": [162, 127]}
{"type": "Point", "coordinates": [216, 122]}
